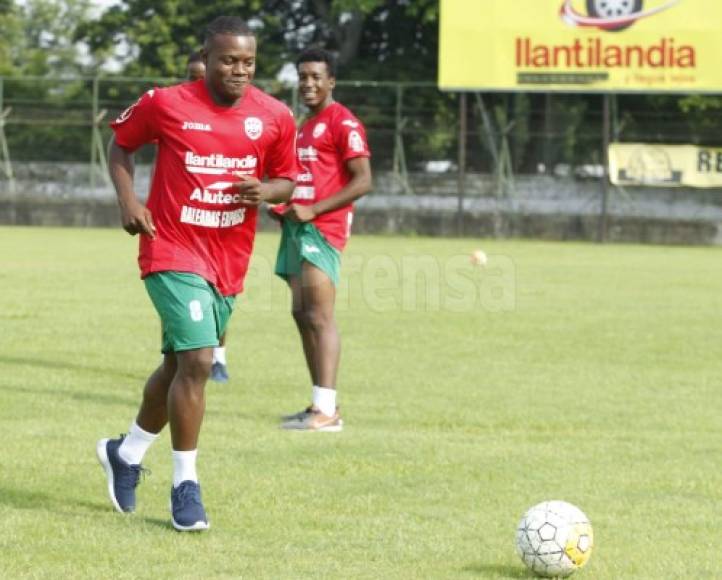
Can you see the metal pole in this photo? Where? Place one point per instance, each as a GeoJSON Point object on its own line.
{"type": "Point", "coordinates": [397, 129]}
{"type": "Point", "coordinates": [603, 217]}
{"type": "Point", "coordinates": [548, 138]}
{"type": "Point", "coordinates": [93, 137]}
{"type": "Point", "coordinates": [294, 101]}
{"type": "Point", "coordinates": [462, 164]}
{"type": "Point", "coordinates": [7, 166]}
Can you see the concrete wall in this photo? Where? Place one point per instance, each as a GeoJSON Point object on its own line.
{"type": "Point", "coordinates": [541, 207]}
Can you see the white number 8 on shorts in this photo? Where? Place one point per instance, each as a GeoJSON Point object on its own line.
{"type": "Point", "coordinates": [194, 306]}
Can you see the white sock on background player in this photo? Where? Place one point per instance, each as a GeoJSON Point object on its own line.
{"type": "Point", "coordinates": [219, 355]}
{"type": "Point", "coordinates": [324, 400]}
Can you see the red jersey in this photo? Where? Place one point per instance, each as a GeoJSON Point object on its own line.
{"type": "Point", "coordinates": [325, 143]}
{"type": "Point", "coordinates": [202, 227]}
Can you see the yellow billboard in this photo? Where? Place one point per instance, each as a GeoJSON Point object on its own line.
{"type": "Point", "coordinates": [581, 45]}
{"type": "Point", "coordinates": [665, 165]}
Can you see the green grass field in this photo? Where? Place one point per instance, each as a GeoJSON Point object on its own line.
{"type": "Point", "coordinates": [560, 371]}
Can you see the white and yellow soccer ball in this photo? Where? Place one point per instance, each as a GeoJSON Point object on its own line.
{"type": "Point", "coordinates": [554, 539]}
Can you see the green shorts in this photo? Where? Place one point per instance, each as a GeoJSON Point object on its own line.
{"type": "Point", "coordinates": [303, 241]}
{"type": "Point", "coordinates": [192, 312]}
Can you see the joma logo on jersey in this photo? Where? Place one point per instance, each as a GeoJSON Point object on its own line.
{"type": "Point", "coordinates": [191, 126]}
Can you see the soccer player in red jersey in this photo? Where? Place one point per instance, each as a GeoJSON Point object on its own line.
{"type": "Point", "coordinates": [217, 138]}
{"type": "Point", "coordinates": [335, 171]}
{"type": "Point", "coordinates": [195, 70]}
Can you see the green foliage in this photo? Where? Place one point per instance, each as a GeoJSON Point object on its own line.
{"type": "Point", "coordinates": [704, 118]}
{"type": "Point", "coordinates": [519, 131]}
{"type": "Point", "coordinates": [569, 117]}
{"type": "Point", "coordinates": [432, 125]}
{"type": "Point", "coordinates": [162, 33]}
{"type": "Point", "coordinates": [11, 35]}
{"type": "Point", "coordinates": [37, 37]}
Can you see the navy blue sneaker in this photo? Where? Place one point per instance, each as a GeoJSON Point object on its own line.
{"type": "Point", "coordinates": [219, 372]}
{"type": "Point", "coordinates": [122, 477]}
{"type": "Point", "coordinates": [186, 507]}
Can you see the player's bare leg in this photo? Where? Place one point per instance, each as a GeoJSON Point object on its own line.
{"type": "Point", "coordinates": [318, 297]}
{"type": "Point", "coordinates": [186, 407]}
{"type": "Point", "coordinates": [314, 296]}
{"type": "Point", "coordinates": [121, 458]}
{"type": "Point", "coordinates": [153, 413]}
{"type": "Point", "coordinates": [307, 336]}
{"type": "Point", "coordinates": [186, 397]}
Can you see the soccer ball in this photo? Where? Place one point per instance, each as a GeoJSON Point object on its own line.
{"type": "Point", "coordinates": [479, 258]}
{"type": "Point", "coordinates": [554, 538]}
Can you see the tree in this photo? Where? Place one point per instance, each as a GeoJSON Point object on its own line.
{"type": "Point", "coordinates": [37, 37]}
{"type": "Point", "coordinates": [161, 33]}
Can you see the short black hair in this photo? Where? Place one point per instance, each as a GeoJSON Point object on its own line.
{"type": "Point", "coordinates": [195, 56]}
{"type": "Point", "coordinates": [227, 25]}
{"type": "Point", "coordinates": [318, 55]}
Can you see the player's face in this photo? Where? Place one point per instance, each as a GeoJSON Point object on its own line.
{"type": "Point", "coordinates": [230, 65]}
{"type": "Point", "coordinates": [315, 85]}
{"type": "Point", "coordinates": [196, 70]}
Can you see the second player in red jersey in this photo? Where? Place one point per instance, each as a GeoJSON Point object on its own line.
{"type": "Point", "coordinates": [325, 143]}
{"type": "Point", "coordinates": [335, 171]}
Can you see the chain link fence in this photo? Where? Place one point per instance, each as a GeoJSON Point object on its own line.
{"type": "Point", "coordinates": [520, 154]}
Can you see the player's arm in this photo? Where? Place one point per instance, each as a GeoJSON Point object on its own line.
{"type": "Point", "coordinates": [254, 192]}
{"type": "Point", "coordinates": [360, 183]}
{"type": "Point", "coordinates": [281, 168]}
{"type": "Point", "coordinates": [135, 217]}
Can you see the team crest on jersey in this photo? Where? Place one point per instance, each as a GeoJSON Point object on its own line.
{"type": "Point", "coordinates": [356, 142]}
{"type": "Point", "coordinates": [253, 127]}
{"type": "Point", "coordinates": [318, 130]}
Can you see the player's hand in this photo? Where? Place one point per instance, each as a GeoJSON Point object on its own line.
{"type": "Point", "coordinates": [252, 190]}
{"type": "Point", "coordinates": [137, 219]}
{"type": "Point", "coordinates": [299, 213]}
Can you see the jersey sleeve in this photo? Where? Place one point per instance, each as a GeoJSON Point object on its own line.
{"type": "Point", "coordinates": [138, 124]}
{"type": "Point", "coordinates": [282, 156]}
{"type": "Point", "coordinates": [350, 138]}
{"type": "Point", "coordinates": [279, 208]}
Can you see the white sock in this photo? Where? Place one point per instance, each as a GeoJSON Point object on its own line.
{"type": "Point", "coordinates": [219, 354]}
{"type": "Point", "coordinates": [184, 466]}
{"type": "Point", "coordinates": [135, 444]}
{"type": "Point", "coordinates": [324, 400]}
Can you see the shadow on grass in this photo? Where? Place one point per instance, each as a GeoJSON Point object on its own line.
{"type": "Point", "coordinates": [36, 500]}
{"type": "Point", "coordinates": [92, 397]}
{"type": "Point", "coordinates": [498, 571]}
{"type": "Point", "coordinates": [70, 366]}
{"type": "Point", "coordinates": [160, 523]}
